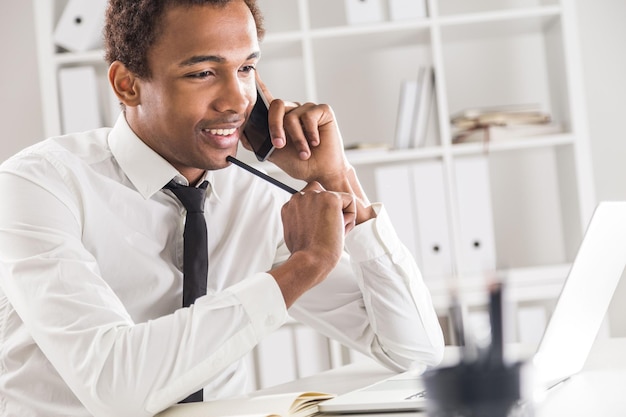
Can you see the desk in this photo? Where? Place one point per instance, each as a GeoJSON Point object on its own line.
{"type": "Point", "coordinates": [599, 390]}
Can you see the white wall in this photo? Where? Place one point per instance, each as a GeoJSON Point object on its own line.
{"type": "Point", "coordinates": [602, 34]}
{"type": "Point", "coordinates": [21, 120]}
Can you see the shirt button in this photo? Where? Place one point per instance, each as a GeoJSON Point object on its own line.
{"type": "Point", "coordinates": [270, 321]}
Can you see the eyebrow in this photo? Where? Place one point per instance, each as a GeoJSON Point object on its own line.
{"type": "Point", "coordinates": [196, 59]}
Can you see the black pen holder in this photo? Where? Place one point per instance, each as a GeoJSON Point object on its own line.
{"type": "Point", "coordinates": [478, 389]}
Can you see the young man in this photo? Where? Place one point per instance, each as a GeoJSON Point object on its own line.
{"type": "Point", "coordinates": [91, 244]}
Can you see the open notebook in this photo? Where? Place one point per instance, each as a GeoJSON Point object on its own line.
{"type": "Point", "coordinates": [296, 404]}
{"type": "Point", "coordinates": [568, 337]}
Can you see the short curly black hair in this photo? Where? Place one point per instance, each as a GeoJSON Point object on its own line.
{"type": "Point", "coordinates": [132, 26]}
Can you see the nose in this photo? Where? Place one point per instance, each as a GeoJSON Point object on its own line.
{"type": "Point", "coordinates": [233, 96]}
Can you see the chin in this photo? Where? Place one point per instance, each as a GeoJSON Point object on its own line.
{"type": "Point", "coordinates": [218, 160]}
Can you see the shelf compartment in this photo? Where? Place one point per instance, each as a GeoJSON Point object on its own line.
{"type": "Point", "coordinates": [512, 68]}
{"type": "Point", "coordinates": [354, 74]}
{"type": "Point", "coordinates": [530, 207]}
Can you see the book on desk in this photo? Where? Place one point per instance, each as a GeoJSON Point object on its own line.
{"type": "Point", "coordinates": [296, 404]}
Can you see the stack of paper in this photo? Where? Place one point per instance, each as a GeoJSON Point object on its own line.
{"type": "Point", "coordinates": [498, 123]}
{"type": "Point", "coordinates": [495, 133]}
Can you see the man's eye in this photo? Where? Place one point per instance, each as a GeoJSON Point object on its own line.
{"type": "Point", "coordinates": [248, 68]}
{"type": "Point", "coordinates": [203, 74]}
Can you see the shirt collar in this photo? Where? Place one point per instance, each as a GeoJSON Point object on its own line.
{"type": "Point", "coordinates": [146, 169]}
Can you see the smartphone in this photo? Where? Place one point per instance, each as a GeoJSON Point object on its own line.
{"type": "Point", "coordinates": [257, 129]}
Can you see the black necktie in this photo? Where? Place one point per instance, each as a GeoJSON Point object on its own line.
{"type": "Point", "coordinates": [195, 251]}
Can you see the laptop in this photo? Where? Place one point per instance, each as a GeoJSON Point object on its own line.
{"type": "Point", "coordinates": [567, 339]}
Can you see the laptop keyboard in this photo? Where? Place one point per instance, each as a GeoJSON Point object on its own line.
{"type": "Point", "coordinates": [417, 395]}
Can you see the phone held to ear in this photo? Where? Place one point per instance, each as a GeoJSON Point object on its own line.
{"type": "Point", "coordinates": [257, 129]}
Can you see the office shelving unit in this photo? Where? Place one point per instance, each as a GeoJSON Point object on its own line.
{"type": "Point", "coordinates": [483, 53]}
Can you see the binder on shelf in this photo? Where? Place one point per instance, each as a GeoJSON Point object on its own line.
{"type": "Point", "coordinates": [407, 9]}
{"type": "Point", "coordinates": [416, 99]}
{"type": "Point", "coordinates": [424, 103]}
{"type": "Point", "coordinates": [80, 26]}
{"type": "Point", "coordinates": [477, 241]}
{"type": "Point", "coordinates": [393, 189]}
{"type": "Point", "coordinates": [406, 114]}
{"type": "Point", "coordinates": [78, 93]}
{"type": "Point", "coordinates": [363, 11]}
{"type": "Point", "coordinates": [433, 232]}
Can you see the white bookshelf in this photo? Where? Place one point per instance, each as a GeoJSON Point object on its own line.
{"type": "Point", "coordinates": [484, 53]}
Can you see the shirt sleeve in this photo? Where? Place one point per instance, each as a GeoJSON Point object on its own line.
{"type": "Point", "coordinates": [112, 364]}
{"type": "Point", "coordinates": [375, 301]}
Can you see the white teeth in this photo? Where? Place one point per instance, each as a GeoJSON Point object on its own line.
{"type": "Point", "coordinates": [222, 132]}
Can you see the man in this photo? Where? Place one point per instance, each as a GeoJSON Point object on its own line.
{"type": "Point", "coordinates": [91, 243]}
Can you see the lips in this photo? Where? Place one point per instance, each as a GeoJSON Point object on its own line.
{"type": "Point", "coordinates": [222, 138]}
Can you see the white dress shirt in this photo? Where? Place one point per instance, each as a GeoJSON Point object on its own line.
{"type": "Point", "coordinates": [91, 286]}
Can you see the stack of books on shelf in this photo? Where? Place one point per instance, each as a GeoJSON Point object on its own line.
{"type": "Point", "coordinates": [416, 101]}
{"type": "Point", "coordinates": [501, 123]}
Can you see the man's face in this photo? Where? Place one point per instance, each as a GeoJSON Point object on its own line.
{"type": "Point", "coordinates": [202, 88]}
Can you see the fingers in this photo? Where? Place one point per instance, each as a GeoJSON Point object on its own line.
{"type": "Point", "coordinates": [349, 211]}
{"type": "Point", "coordinates": [300, 123]}
{"type": "Point", "coordinates": [276, 112]}
{"type": "Point", "coordinates": [313, 186]}
{"type": "Point", "coordinates": [276, 115]}
{"type": "Point", "coordinates": [346, 201]}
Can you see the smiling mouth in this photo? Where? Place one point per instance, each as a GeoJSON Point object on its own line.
{"type": "Point", "coordinates": [221, 132]}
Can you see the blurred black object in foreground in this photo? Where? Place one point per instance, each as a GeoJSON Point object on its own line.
{"type": "Point", "coordinates": [482, 384]}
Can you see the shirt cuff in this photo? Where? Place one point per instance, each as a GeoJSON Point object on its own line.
{"type": "Point", "coordinates": [263, 302]}
{"type": "Point", "coordinates": [373, 238]}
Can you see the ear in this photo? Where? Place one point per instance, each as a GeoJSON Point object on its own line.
{"type": "Point", "coordinates": [125, 84]}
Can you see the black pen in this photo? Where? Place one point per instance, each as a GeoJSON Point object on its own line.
{"type": "Point", "coordinates": [496, 320]}
{"type": "Point", "coordinates": [261, 174]}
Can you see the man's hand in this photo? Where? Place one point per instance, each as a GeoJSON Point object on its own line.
{"type": "Point", "coordinates": [307, 140]}
{"type": "Point", "coordinates": [309, 147]}
{"type": "Point", "coordinates": [315, 222]}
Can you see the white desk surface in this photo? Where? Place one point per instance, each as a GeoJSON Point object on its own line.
{"type": "Point", "coordinates": [598, 390]}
